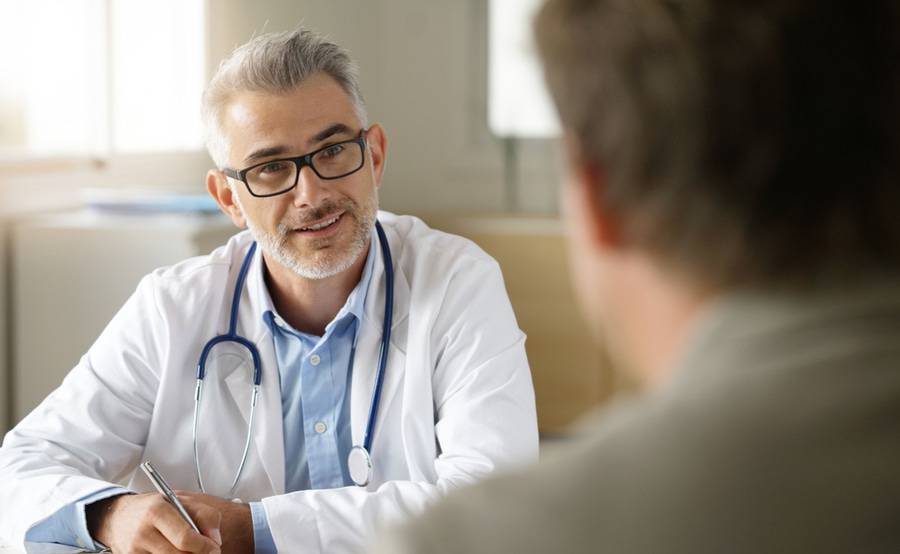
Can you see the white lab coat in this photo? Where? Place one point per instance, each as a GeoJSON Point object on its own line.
{"type": "Point", "coordinates": [457, 402]}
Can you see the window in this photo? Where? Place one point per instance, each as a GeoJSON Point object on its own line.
{"type": "Point", "coordinates": [98, 77]}
{"type": "Point", "coordinates": [518, 103]}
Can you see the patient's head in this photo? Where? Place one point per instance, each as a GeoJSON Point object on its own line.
{"type": "Point", "coordinates": [728, 144]}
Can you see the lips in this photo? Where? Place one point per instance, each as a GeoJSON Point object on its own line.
{"type": "Point", "coordinates": [321, 223]}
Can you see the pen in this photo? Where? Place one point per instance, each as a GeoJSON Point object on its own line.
{"type": "Point", "coordinates": [167, 492]}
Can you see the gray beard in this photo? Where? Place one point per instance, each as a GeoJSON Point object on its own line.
{"type": "Point", "coordinates": [276, 245]}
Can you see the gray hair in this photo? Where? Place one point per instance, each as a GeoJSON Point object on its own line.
{"type": "Point", "coordinates": [275, 63]}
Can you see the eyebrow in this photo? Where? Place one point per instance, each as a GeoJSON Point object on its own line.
{"type": "Point", "coordinates": [336, 129]}
{"type": "Point", "coordinates": [265, 153]}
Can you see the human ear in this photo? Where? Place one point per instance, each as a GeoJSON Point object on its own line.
{"type": "Point", "coordinates": [377, 142]}
{"type": "Point", "coordinates": [586, 200]}
{"type": "Point", "coordinates": [218, 187]}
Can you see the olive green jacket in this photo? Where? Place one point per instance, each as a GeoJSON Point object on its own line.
{"type": "Point", "coordinates": [779, 432]}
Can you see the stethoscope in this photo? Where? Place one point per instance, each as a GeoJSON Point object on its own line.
{"type": "Point", "coordinates": [359, 461]}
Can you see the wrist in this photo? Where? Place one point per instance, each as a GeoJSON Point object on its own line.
{"type": "Point", "coordinates": [97, 515]}
{"type": "Point", "coordinates": [244, 520]}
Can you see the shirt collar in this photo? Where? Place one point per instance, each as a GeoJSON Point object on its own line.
{"type": "Point", "coordinates": [356, 302]}
{"type": "Point", "coordinates": [354, 306]}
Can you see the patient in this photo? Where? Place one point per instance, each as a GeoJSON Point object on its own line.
{"type": "Point", "coordinates": [734, 213]}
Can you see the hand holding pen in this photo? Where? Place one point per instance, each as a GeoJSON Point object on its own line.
{"type": "Point", "coordinates": [151, 522]}
{"type": "Point", "coordinates": [164, 489]}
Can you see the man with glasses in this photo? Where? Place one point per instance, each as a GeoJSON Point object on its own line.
{"type": "Point", "coordinates": [289, 433]}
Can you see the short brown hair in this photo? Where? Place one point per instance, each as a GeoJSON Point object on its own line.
{"type": "Point", "coordinates": [745, 143]}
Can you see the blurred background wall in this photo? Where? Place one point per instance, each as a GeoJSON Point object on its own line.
{"type": "Point", "coordinates": [423, 70]}
{"type": "Point", "coordinates": [64, 270]}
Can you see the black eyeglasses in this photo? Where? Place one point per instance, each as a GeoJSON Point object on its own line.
{"type": "Point", "coordinates": [275, 177]}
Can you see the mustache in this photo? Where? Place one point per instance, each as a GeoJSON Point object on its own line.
{"type": "Point", "coordinates": [302, 218]}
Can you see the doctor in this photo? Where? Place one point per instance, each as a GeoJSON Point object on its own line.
{"type": "Point", "coordinates": [329, 370]}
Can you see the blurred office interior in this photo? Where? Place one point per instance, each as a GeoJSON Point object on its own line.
{"type": "Point", "coordinates": [102, 168]}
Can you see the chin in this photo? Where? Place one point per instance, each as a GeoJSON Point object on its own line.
{"type": "Point", "coordinates": [320, 264]}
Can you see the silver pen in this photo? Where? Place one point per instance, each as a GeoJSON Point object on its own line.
{"type": "Point", "coordinates": [167, 492]}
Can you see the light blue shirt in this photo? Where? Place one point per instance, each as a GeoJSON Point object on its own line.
{"type": "Point", "coordinates": [69, 524]}
{"type": "Point", "coordinates": [315, 401]}
{"type": "Point", "coordinates": [315, 398]}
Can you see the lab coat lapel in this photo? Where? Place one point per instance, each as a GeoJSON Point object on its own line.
{"type": "Point", "coordinates": [239, 388]}
{"type": "Point", "coordinates": [363, 378]}
{"type": "Point", "coordinates": [270, 445]}
{"type": "Point", "coordinates": [267, 429]}
{"type": "Point", "coordinates": [368, 347]}
{"type": "Point", "coordinates": [237, 381]}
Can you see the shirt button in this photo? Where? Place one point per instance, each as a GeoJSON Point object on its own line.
{"type": "Point", "coordinates": [315, 359]}
{"type": "Point", "coordinates": [320, 427]}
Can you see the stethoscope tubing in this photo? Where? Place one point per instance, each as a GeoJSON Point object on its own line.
{"type": "Point", "coordinates": [232, 336]}
{"type": "Point", "coordinates": [387, 323]}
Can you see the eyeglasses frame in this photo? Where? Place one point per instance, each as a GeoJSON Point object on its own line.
{"type": "Point", "coordinates": [300, 162]}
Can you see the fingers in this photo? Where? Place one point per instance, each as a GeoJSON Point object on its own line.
{"type": "Point", "coordinates": [179, 534]}
{"type": "Point", "coordinates": [155, 543]}
{"type": "Point", "coordinates": [206, 516]}
{"type": "Point", "coordinates": [148, 523]}
{"type": "Point", "coordinates": [235, 526]}
{"type": "Point", "coordinates": [209, 520]}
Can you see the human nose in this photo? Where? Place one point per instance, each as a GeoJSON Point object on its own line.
{"type": "Point", "coordinates": [310, 189]}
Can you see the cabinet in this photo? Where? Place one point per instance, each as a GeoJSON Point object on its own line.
{"type": "Point", "coordinates": [71, 272]}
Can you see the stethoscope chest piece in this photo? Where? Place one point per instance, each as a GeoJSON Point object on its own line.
{"type": "Point", "coordinates": [359, 463]}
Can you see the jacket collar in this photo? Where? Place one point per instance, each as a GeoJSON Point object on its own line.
{"type": "Point", "coordinates": [742, 332]}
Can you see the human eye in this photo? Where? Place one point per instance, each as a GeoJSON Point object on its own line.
{"type": "Point", "coordinates": [275, 166]}
{"type": "Point", "coordinates": [332, 151]}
